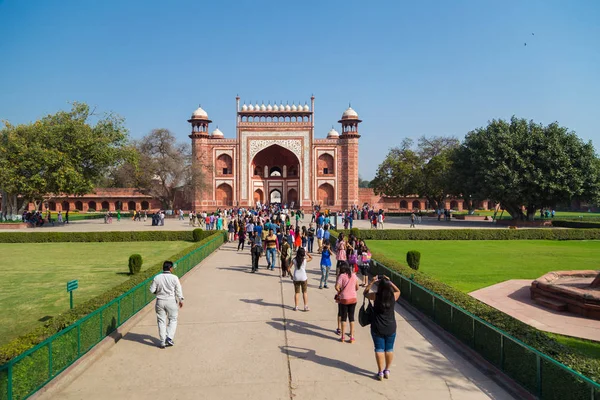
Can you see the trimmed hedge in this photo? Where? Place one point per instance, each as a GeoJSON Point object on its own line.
{"type": "Point", "coordinates": [478, 234]}
{"type": "Point", "coordinates": [529, 335]}
{"type": "Point", "coordinates": [56, 237]}
{"type": "Point", "coordinates": [413, 259]}
{"type": "Point", "coordinates": [576, 224]}
{"type": "Point", "coordinates": [61, 321]}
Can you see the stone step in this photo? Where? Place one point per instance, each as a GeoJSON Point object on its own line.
{"type": "Point", "coordinates": [551, 303]}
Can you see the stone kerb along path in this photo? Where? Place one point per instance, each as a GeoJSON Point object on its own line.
{"type": "Point", "coordinates": [239, 338]}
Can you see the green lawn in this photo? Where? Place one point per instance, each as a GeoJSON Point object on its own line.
{"type": "Point", "coordinates": [475, 264]}
{"type": "Point", "coordinates": [35, 276]}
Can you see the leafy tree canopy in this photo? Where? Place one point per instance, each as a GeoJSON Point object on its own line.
{"type": "Point", "coordinates": [523, 164]}
{"type": "Point", "coordinates": [62, 153]}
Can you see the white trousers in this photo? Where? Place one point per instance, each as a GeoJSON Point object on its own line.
{"type": "Point", "coordinates": [166, 309]}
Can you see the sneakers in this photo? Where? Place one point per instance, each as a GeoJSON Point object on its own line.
{"type": "Point", "coordinates": [170, 342]}
{"type": "Point", "coordinates": [380, 376]}
{"type": "Point", "coordinates": [352, 340]}
{"type": "Point", "coordinates": [306, 308]}
{"type": "Point", "coordinates": [295, 308]}
{"type": "Point", "coordinates": [320, 287]}
{"type": "Point", "coordinates": [161, 346]}
{"type": "Point", "coordinates": [386, 373]}
{"type": "Point", "coordinates": [326, 287]}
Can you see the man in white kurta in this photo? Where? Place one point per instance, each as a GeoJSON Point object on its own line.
{"type": "Point", "coordinates": [169, 298]}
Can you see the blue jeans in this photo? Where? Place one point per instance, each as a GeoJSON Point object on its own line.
{"type": "Point", "coordinates": [383, 344]}
{"type": "Point", "coordinates": [311, 241]}
{"type": "Point", "coordinates": [324, 275]}
{"type": "Point", "coordinates": [271, 257]}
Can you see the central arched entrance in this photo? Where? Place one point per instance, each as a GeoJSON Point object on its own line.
{"type": "Point", "coordinates": [275, 171]}
{"type": "Point", "coordinates": [275, 196]}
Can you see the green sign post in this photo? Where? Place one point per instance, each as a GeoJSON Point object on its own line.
{"type": "Point", "coordinates": [72, 285]}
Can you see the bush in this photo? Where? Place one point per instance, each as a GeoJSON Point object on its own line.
{"type": "Point", "coordinates": [413, 259]}
{"type": "Point", "coordinates": [478, 234]}
{"type": "Point", "coordinates": [54, 237]}
{"type": "Point", "coordinates": [529, 335]}
{"type": "Point", "coordinates": [61, 321]}
{"type": "Point", "coordinates": [198, 234]}
{"type": "Point", "coordinates": [135, 263]}
{"type": "Point", "coordinates": [355, 232]}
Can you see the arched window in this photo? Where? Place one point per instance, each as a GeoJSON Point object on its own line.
{"type": "Point", "coordinates": [275, 171]}
{"type": "Point", "coordinates": [224, 165]}
{"type": "Point", "coordinates": [404, 204]}
{"type": "Point", "coordinates": [131, 205]}
{"type": "Point", "coordinates": [92, 206]}
{"type": "Point", "coordinates": [416, 205]}
{"type": "Point", "coordinates": [325, 165]}
{"type": "Point", "coordinates": [145, 205]}
{"type": "Point", "coordinates": [105, 205]}
{"type": "Point", "coordinates": [78, 205]}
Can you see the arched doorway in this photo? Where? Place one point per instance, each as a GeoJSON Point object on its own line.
{"type": "Point", "coordinates": [325, 195]}
{"type": "Point", "coordinates": [454, 205]}
{"type": "Point", "coordinates": [65, 206]}
{"type": "Point", "coordinates": [275, 196]}
{"type": "Point", "coordinates": [78, 205]}
{"type": "Point", "coordinates": [131, 205]}
{"type": "Point", "coordinates": [145, 205]}
{"type": "Point", "coordinates": [416, 205]}
{"type": "Point", "coordinates": [404, 204]}
{"type": "Point", "coordinates": [92, 206]}
{"type": "Point", "coordinates": [325, 165]}
{"type": "Point", "coordinates": [224, 165]}
{"type": "Point", "coordinates": [224, 195]}
{"type": "Point", "coordinates": [277, 168]}
{"type": "Point", "coordinates": [52, 206]}
{"type": "Point", "coordinates": [259, 196]}
{"type": "Point", "coordinates": [105, 206]}
{"type": "Point", "coordinates": [118, 205]}
{"type": "Point", "coordinates": [292, 197]}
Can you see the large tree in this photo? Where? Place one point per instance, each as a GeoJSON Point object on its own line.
{"type": "Point", "coordinates": [62, 153]}
{"type": "Point", "coordinates": [522, 164]}
{"type": "Point", "coordinates": [424, 170]}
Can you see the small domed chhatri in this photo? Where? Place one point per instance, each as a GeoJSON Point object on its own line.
{"type": "Point", "coordinates": [250, 107]}
{"type": "Point", "coordinates": [294, 108]}
{"type": "Point", "coordinates": [217, 133]}
{"type": "Point", "coordinates": [306, 108]}
{"type": "Point", "coordinates": [350, 114]}
{"type": "Point", "coordinates": [275, 107]}
{"type": "Point", "coordinates": [333, 134]}
{"type": "Point", "coordinates": [263, 107]}
{"type": "Point", "coordinates": [244, 108]}
{"type": "Point", "coordinates": [199, 113]}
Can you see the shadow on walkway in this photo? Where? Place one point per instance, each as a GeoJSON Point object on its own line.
{"type": "Point", "coordinates": [302, 328]}
{"type": "Point", "coordinates": [311, 355]}
{"type": "Point", "coordinates": [248, 270]}
{"type": "Point", "coordinates": [142, 338]}
{"type": "Point", "coordinates": [260, 302]}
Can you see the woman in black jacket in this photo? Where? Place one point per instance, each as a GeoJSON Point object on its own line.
{"type": "Point", "coordinates": [383, 323]}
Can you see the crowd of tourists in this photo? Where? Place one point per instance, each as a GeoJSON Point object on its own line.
{"type": "Point", "coordinates": [38, 219]}
{"type": "Point", "coordinates": [280, 234]}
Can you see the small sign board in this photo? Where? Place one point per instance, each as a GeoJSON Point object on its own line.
{"type": "Point", "coordinates": [72, 285]}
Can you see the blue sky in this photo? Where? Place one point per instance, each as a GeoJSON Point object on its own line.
{"type": "Point", "coordinates": [409, 68]}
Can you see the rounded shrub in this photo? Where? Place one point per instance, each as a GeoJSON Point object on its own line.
{"type": "Point", "coordinates": [198, 234]}
{"type": "Point", "coordinates": [413, 259]}
{"type": "Point", "coordinates": [135, 263]}
{"type": "Point", "coordinates": [355, 232]}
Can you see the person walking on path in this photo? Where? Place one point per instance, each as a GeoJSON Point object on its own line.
{"type": "Point", "coordinates": [230, 231]}
{"type": "Point", "coordinates": [118, 215]}
{"type": "Point", "coordinates": [271, 247]}
{"type": "Point", "coordinates": [325, 265]}
{"type": "Point", "coordinates": [311, 237]}
{"type": "Point", "coordinates": [67, 217]}
{"type": "Point", "coordinates": [346, 286]}
{"type": "Point", "coordinates": [320, 233]}
{"type": "Point", "coordinates": [285, 258]}
{"type": "Point", "coordinates": [255, 251]}
{"type": "Point", "coordinates": [412, 220]}
{"type": "Point", "coordinates": [383, 322]}
{"type": "Point", "coordinates": [297, 238]}
{"type": "Point", "coordinates": [300, 278]}
{"type": "Point", "coordinates": [340, 255]}
{"type": "Point", "coordinates": [241, 238]}
{"type": "Point", "coordinates": [169, 295]}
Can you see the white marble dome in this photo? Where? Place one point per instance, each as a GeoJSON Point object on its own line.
{"type": "Point", "coordinates": [306, 108]}
{"type": "Point", "coordinates": [275, 107]}
{"type": "Point", "coordinates": [350, 113]}
{"type": "Point", "coordinates": [199, 113]}
{"type": "Point", "coordinates": [217, 133]}
{"type": "Point", "coordinates": [244, 108]}
{"type": "Point", "coordinates": [333, 134]}
{"type": "Point", "coordinates": [250, 107]}
{"type": "Point", "coordinates": [294, 108]}
{"type": "Point", "coordinates": [288, 108]}
{"type": "Point", "coordinates": [257, 107]}
{"type": "Point", "coordinates": [269, 107]}
{"type": "Point", "coordinates": [263, 107]}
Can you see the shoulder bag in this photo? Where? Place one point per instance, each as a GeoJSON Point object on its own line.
{"type": "Point", "coordinates": [365, 315]}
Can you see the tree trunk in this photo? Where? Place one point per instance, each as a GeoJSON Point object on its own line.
{"type": "Point", "coordinates": [514, 210]}
{"type": "Point", "coordinates": [531, 213]}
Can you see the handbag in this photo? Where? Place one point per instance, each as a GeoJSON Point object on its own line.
{"type": "Point", "coordinates": [365, 315]}
{"type": "Point", "coordinates": [352, 259]}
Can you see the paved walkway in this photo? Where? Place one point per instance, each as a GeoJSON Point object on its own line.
{"type": "Point", "coordinates": [239, 338]}
{"type": "Point", "coordinates": [173, 224]}
{"type": "Point", "coordinates": [513, 298]}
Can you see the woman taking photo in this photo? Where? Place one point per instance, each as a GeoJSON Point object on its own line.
{"type": "Point", "coordinates": [300, 278]}
{"type": "Point", "coordinates": [346, 286]}
{"type": "Point", "coordinates": [383, 322]}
